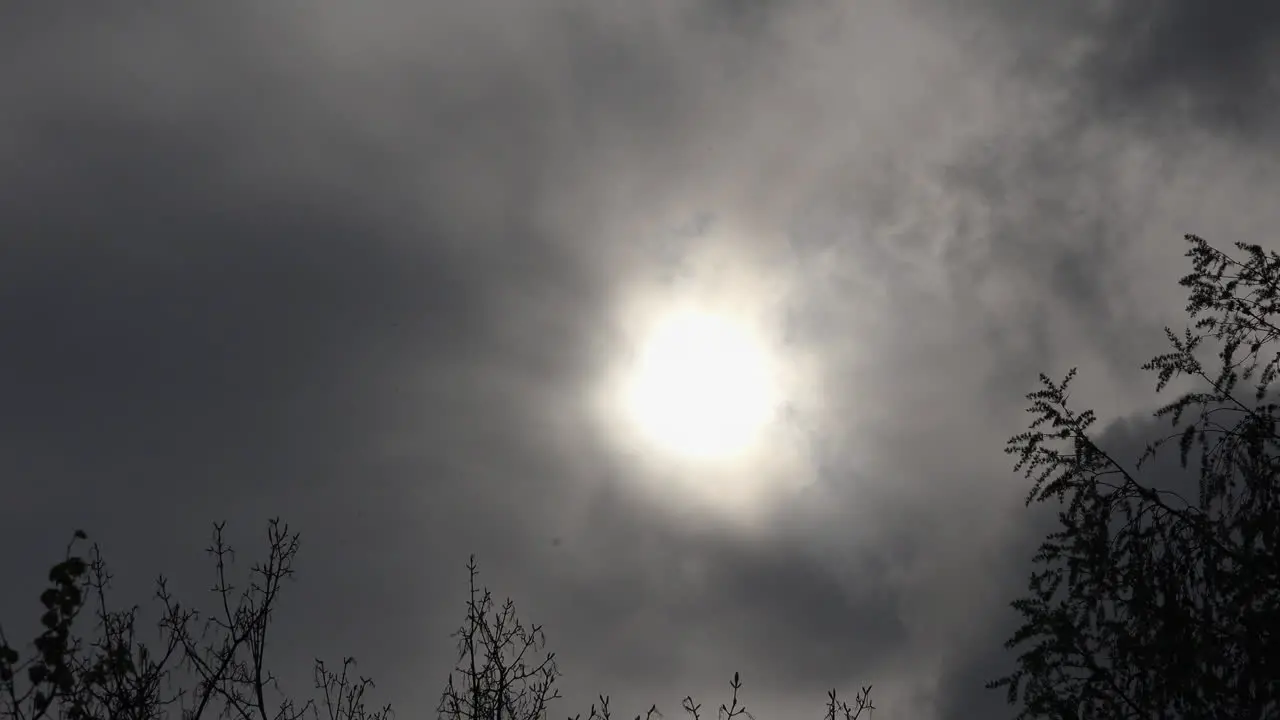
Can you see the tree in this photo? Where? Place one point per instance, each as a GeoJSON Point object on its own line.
{"type": "Point", "coordinates": [503, 673]}
{"type": "Point", "coordinates": [216, 661]}
{"type": "Point", "coordinates": [214, 664]}
{"type": "Point", "coordinates": [497, 680]}
{"type": "Point", "coordinates": [1146, 604]}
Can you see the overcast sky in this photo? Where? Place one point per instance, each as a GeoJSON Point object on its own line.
{"type": "Point", "coordinates": [366, 265]}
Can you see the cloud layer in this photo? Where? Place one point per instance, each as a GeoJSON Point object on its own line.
{"type": "Point", "coordinates": [362, 267]}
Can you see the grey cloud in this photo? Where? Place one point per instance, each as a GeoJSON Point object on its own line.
{"type": "Point", "coordinates": [353, 267]}
{"type": "Point", "coordinates": [1159, 65]}
{"type": "Point", "coordinates": [1126, 111]}
{"type": "Point", "coordinates": [1219, 66]}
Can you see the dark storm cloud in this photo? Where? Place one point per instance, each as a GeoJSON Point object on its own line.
{"type": "Point", "coordinates": [773, 604]}
{"type": "Point", "coordinates": [1131, 121]}
{"type": "Point", "coordinates": [217, 299]}
{"type": "Point", "coordinates": [181, 349]}
{"type": "Point", "coordinates": [352, 265]}
{"type": "Point", "coordinates": [1154, 63]}
{"type": "Point", "coordinates": [1066, 234]}
{"type": "Point", "coordinates": [1218, 65]}
{"type": "Point", "coordinates": [1111, 94]}
{"type": "Point", "coordinates": [223, 299]}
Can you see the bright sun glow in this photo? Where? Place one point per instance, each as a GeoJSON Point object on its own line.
{"type": "Point", "coordinates": [708, 401]}
{"type": "Point", "coordinates": [702, 387]}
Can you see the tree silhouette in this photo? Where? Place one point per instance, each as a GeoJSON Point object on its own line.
{"type": "Point", "coordinates": [207, 664]}
{"type": "Point", "coordinates": [215, 664]}
{"type": "Point", "coordinates": [498, 679]}
{"type": "Point", "coordinates": [1149, 605]}
{"type": "Point", "coordinates": [503, 673]}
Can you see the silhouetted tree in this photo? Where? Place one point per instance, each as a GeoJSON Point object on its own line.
{"type": "Point", "coordinates": [1149, 605]}
{"type": "Point", "coordinates": [206, 665]}
{"type": "Point", "coordinates": [501, 676]}
{"type": "Point", "coordinates": [215, 664]}
{"type": "Point", "coordinates": [503, 673]}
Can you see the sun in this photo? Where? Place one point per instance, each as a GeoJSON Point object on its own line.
{"type": "Point", "coordinates": [701, 386]}
{"type": "Point", "coordinates": [704, 396]}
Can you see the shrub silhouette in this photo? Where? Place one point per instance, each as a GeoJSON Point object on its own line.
{"type": "Point", "coordinates": [214, 664]}
{"type": "Point", "coordinates": [208, 665]}
{"type": "Point", "coordinates": [1150, 605]}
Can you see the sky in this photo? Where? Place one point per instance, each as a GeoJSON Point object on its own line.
{"type": "Point", "coordinates": [377, 267]}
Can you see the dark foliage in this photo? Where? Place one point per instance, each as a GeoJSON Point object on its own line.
{"type": "Point", "coordinates": [1148, 604]}
{"type": "Point", "coordinates": [206, 664]}
{"type": "Point", "coordinates": [500, 677]}
{"type": "Point", "coordinates": [504, 675]}
{"type": "Point", "coordinates": [214, 664]}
